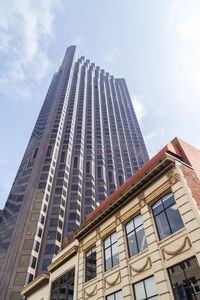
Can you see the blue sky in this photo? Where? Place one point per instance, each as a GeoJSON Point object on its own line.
{"type": "Point", "coordinates": [153, 44]}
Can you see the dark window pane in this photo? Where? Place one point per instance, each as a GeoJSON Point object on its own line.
{"type": "Point", "coordinates": [162, 226]}
{"type": "Point", "coordinates": [63, 288]}
{"type": "Point", "coordinates": [90, 264]}
{"type": "Point", "coordinates": [174, 218]}
{"type": "Point", "coordinates": [157, 208]}
{"type": "Point", "coordinates": [185, 279]}
{"type": "Point", "coordinates": [168, 200]}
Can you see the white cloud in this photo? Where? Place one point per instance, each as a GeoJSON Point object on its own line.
{"type": "Point", "coordinates": [153, 138]}
{"type": "Point", "coordinates": [26, 26]}
{"type": "Point", "coordinates": [139, 107]}
{"type": "Point", "coordinates": [184, 25]}
{"type": "Point", "coordinates": [156, 133]}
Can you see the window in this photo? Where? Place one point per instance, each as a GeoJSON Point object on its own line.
{"type": "Point", "coordinates": [75, 162]}
{"type": "Point", "coordinates": [99, 172]}
{"type": "Point", "coordinates": [24, 260]}
{"type": "Point", "coordinates": [145, 289]}
{"type": "Point", "coordinates": [63, 287]}
{"type": "Point", "coordinates": [49, 151]}
{"type": "Point", "coordinates": [31, 229]}
{"type": "Point", "coordinates": [90, 264]}
{"type": "Point", "coordinates": [111, 251]}
{"type": "Point", "coordinates": [135, 236]}
{"type": "Point", "coordinates": [115, 296]}
{"type": "Point", "coordinates": [51, 235]}
{"type": "Point", "coordinates": [45, 264]}
{"type": "Point", "coordinates": [87, 167]}
{"type": "Point", "coordinates": [167, 216]}
{"type": "Point", "coordinates": [20, 279]}
{"type": "Point", "coordinates": [185, 279]}
{"type": "Point", "coordinates": [49, 249]}
{"type": "Point", "coordinates": [28, 244]}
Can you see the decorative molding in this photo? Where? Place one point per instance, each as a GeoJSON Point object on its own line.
{"type": "Point", "coordinates": [62, 259]}
{"type": "Point", "coordinates": [142, 201]}
{"type": "Point", "coordinates": [112, 283]}
{"type": "Point", "coordinates": [80, 247]}
{"type": "Point", "coordinates": [37, 282]}
{"type": "Point", "coordinates": [98, 234]}
{"type": "Point", "coordinates": [173, 177]}
{"type": "Point", "coordinates": [138, 270]}
{"type": "Point", "coordinates": [179, 249]}
{"type": "Point", "coordinates": [117, 218]}
{"type": "Point", "coordinates": [89, 294]}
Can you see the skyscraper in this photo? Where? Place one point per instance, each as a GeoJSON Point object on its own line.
{"type": "Point", "coordinates": [85, 144]}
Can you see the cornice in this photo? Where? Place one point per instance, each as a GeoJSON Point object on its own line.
{"type": "Point", "coordinates": [63, 258]}
{"type": "Point", "coordinates": [38, 281]}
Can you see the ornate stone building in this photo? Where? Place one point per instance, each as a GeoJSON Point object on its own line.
{"type": "Point", "coordinates": [142, 242]}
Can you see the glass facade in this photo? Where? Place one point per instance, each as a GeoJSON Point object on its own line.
{"type": "Point", "coordinates": [63, 287]}
{"type": "Point", "coordinates": [185, 280]}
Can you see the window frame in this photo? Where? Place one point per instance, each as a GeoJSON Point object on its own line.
{"type": "Point", "coordinates": [143, 280]}
{"type": "Point", "coordinates": [134, 230]}
{"type": "Point", "coordinates": [164, 210]}
{"type": "Point", "coordinates": [94, 247]}
{"type": "Point", "coordinates": [114, 294]}
{"type": "Point", "coordinates": [110, 246]}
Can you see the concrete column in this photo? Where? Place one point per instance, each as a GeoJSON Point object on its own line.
{"type": "Point", "coordinates": [156, 257]}
{"type": "Point", "coordinates": [124, 270]}
{"type": "Point", "coordinates": [100, 266]}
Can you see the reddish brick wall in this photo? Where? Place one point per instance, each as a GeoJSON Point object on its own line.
{"type": "Point", "coordinates": [193, 183]}
{"type": "Point", "coordinates": [190, 155]}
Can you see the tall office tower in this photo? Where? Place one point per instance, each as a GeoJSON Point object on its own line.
{"type": "Point", "coordinates": [85, 144]}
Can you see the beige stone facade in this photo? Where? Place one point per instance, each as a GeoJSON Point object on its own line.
{"type": "Point", "coordinates": [163, 176]}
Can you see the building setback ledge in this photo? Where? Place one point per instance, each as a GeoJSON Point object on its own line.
{"type": "Point", "coordinates": [62, 259]}
{"type": "Point", "coordinates": [34, 285]}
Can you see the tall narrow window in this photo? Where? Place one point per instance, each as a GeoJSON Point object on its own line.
{"type": "Point", "coordinates": [110, 176]}
{"type": "Point", "coordinates": [49, 151]}
{"type": "Point", "coordinates": [135, 236]}
{"type": "Point", "coordinates": [167, 216]}
{"type": "Point", "coordinates": [99, 172]}
{"type": "Point", "coordinates": [88, 167]}
{"type": "Point", "coordinates": [111, 251]}
{"type": "Point", "coordinates": [62, 158]}
{"type": "Point", "coordinates": [35, 153]}
{"type": "Point", "coordinates": [75, 162]}
{"type": "Point", "coordinates": [90, 264]}
{"type": "Point", "coordinates": [120, 180]}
